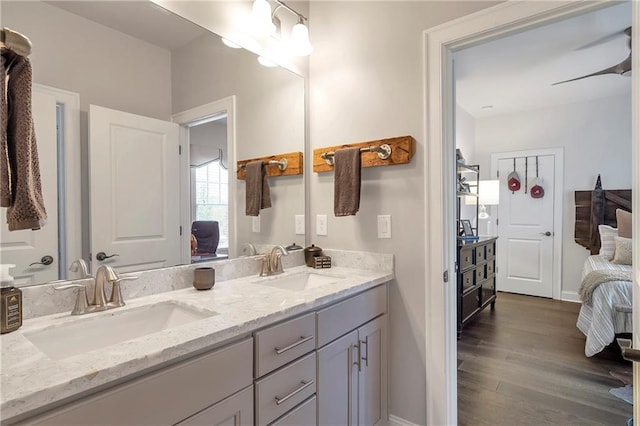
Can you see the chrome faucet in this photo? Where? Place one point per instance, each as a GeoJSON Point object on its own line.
{"type": "Point", "coordinates": [104, 276]}
{"type": "Point", "coordinates": [249, 248]}
{"type": "Point", "coordinates": [79, 265]}
{"type": "Point", "coordinates": [272, 262]}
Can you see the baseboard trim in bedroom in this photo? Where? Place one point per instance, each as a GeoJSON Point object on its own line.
{"type": "Point", "coordinates": [398, 421]}
{"type": "Point", "coordinates": [570, 296]}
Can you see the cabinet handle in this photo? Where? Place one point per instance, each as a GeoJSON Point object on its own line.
{"type": "Point", "coordinates": [303, 386]}
{"type": "Point", "coordinates": [302, 340]}
{"type": "Point", "coordinates": [358, 363]}
{"type": "Point", "coordinates": [365, 358]}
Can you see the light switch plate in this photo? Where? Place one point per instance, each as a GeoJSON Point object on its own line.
{"type": "Point", "coordinates": [321, 224]}
{"type": "Point", "coordinates": [384, 226]}
{"type": "Point", "coordinates": [255, 224]}
{"type": "Point", "coordinates": [299, 224]}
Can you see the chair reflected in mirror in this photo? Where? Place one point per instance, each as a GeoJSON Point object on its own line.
{"type": "Point", "coordinates": [207, 236]}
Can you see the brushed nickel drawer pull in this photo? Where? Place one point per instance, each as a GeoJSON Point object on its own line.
{"type": "Point", "coordinates": [365, 358]}
{"type": "Point", "coordinates": [293, 345]}
{"type": "Point", "coordinates": [304, 385]}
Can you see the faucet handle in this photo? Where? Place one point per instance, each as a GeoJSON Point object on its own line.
{"type": "Point", "coordinates": [116, 299]}
{"type": "Point", "coordinates": [82, 303]}
{"type": "Point", "coordinates": [266, 268]}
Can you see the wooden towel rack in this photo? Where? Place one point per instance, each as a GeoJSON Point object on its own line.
{"type": "Point", "coordinates": [383, 152]}
{"type": "Point", "coordinates": [278, 165]}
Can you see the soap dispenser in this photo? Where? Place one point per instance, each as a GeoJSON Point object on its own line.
{"type": "Point", "coordinates": [11, 301]}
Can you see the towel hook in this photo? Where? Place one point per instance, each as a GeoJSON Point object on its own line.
{"type": "Point", "coordinates": [384, 152]}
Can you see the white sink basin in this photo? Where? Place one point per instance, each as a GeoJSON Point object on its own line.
{"type": "Point", "coordinates": [111, 327]}
{"type": "Point", "coordinates": [299, 282]}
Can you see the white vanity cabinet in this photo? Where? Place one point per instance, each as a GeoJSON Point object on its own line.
{"type": "Point", "coordinates": [214, 386]}
{"type": "Point", "coordinates": [285, 372]}
{"type": "Point", "coordinates": [352, 368]}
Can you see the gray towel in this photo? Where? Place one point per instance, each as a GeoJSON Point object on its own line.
{"type": "Point", "coordinates": [258, 195]}
{"type": "Point", "coordinates": [346, 195]}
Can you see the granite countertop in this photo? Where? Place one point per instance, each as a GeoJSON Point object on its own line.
{"type": "Point", "coordinates": [31, 380]}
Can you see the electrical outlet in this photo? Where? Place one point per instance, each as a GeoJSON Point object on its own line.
{"type": "Point", "coordinates": [384, 226]}
{"type": "Point", "coordinates": [299, 224]}
{"type": "Point", "coordinates": [321, 224]}
{"type": "Point", "coordinates": [255, 224]}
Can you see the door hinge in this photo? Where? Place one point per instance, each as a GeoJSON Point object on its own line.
{"type": "Point", "coordinates": [179, 149]}
{"type": "Point", "coordinates": [445, 276]}
{"type": "Point", "coordinates": [497, 221]}
{"type": "Point", "coordinates": [180, 229]}
{"type": "Point", "coordinates": [498, 174]}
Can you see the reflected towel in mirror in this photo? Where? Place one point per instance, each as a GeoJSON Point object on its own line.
{"type": "Point", "coordinates": [258, 195]}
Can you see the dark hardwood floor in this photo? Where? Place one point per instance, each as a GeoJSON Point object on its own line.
{"type": "Point", "coordinates": [524, 364]}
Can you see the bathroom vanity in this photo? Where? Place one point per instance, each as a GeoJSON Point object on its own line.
{"type": "Point", "coordinates": [304, 347]}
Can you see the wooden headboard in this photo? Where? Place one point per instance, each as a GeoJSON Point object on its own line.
{"type": "Point", "coordinates": [595, 208]}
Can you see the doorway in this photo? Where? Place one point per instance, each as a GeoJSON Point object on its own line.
{"type": "Point", "coordinates": [440, 42]}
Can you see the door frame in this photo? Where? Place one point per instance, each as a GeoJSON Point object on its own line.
{"type": "Point", "coordinates": [558, 205]}
{"type": "Point", "coordinates": [440, 295]}
{"type": "Point", "coordinates": [72, 226]}
{"type": "Point", "coordinates": [189, 118]}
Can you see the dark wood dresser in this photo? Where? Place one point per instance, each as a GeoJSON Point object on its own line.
{"type": "Point", "coordinates": [476, 278]}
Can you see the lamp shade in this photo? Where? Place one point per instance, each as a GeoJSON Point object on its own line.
{"type": "Point", "coordinates": [489, 191]}
{"type": "Point", "coordinates": [261, 19]}
{"type": "Point", "coordinates": [300, 44]}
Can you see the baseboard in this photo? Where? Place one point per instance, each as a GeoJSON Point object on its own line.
{"type": "Point", "coordinates": [397, 421]}
{"type": "Point", "coordinates": [570, 296]}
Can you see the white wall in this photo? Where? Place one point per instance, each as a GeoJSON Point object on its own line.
{"type": "Point", "coordinates": [366, 83]}
{"type": "Point", "coordinates": [596, 137]}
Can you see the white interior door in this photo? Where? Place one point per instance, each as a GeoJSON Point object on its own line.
{"type": "Point", "coordinates": [26, 247]}
{"type": "Point", "coordinates": [135, 179]}
{"type": "Point", "coordinates": [526, 228]}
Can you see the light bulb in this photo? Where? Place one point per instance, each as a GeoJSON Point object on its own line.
{"type": "Point", "coordinates": [261, 17]}
{"type": "Point", "coordinates": [300, 44]}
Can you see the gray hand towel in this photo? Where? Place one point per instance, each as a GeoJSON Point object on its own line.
{"type": "Point", "coordinates": [346, 195]}
{"type": "Point", "coordinates": [258, 195]}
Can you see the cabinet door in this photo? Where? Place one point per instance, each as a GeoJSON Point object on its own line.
{"type": "Point", "coordinates": [371, 381]}
{"type": "Point", "coordinates": [237, 410]}
{"type": "Point", "coordinates": [337, 390]}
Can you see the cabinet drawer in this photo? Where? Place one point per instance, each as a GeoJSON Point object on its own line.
{"type": "Point", "coordinates": [467, 280]}
{"type": "Point", "coordinates": [304, 415]}
{"type": "Point", "coordinates": [282, 390]}
{"type": "Point", "coordinates": [480, 254]}
{"type": "Point", "coordinates": [466, 258]}
{"type": "Point", "coordinates": [488, 290]}
{"type": "Point", "coordinates": [167, 396]}
{"type": "Point", "coordinates": [491, 250]}
{"type": "Point", "coordinates": [480, 273]}
{"type": "Point", "coordinates": [341, 318]}
{"type": "Point", "coordinates": [470, 303]}
{"type": "Point", "coordinates": [236, 410]}
{"type": "Point", "coordinates": [491, 267]}
{"type": "Point", "coordinates": [282, 343]}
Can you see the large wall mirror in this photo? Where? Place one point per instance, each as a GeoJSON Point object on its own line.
{"type": "Point", "coordinates": [102, 72]}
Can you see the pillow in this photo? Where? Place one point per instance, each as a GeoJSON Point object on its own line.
{"type": "Point", "coordinates": [607, 241]}
{"type": "Point", "coordinates": [624, 223]}
{"type": "Point", "coordinates": [623, 251]}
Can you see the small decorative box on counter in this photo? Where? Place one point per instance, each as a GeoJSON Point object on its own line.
{"type": "Point", "coordinates": [321, 262]}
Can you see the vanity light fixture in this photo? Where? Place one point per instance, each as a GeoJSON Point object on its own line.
{"type": "Point", "coordinates": [265, 23]}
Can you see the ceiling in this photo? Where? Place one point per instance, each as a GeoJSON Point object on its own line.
{"type": "Point", "coordinates": [515, 73]}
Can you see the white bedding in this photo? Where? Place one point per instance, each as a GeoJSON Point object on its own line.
{"type": "Point", "coordinates": [601, 322]}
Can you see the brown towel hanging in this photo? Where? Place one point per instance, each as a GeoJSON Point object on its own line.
{"type": "Point", "coordinates": [258, 195]}
{"type": "Point", "coordinates": [346, 197]}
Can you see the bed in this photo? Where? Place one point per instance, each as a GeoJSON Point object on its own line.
{"type": "Point", "coordinates": [606, 286]}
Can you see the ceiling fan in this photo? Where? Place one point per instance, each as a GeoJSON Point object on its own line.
{"type": "Point", "coordinates": [623, 68]}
